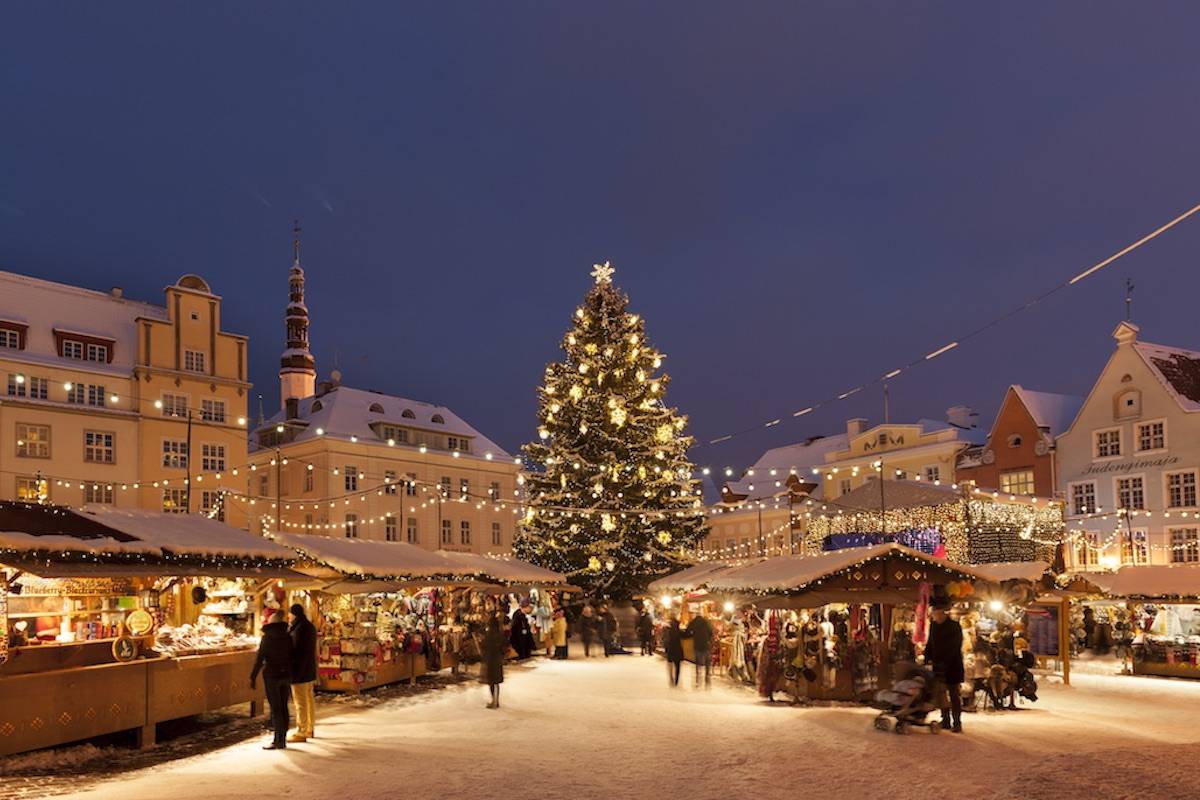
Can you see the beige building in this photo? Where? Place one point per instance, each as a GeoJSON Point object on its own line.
{"type": "Point", "coordinates": [340, 461]}
{"type": "Point", "coordinates": [98, 393]}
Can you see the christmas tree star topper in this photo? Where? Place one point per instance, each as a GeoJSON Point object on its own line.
{"type": "Point", "coordinates": [603, 273]}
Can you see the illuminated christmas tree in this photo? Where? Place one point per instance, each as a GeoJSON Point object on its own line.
{"type": "Point", "coordinates": [611, 497]}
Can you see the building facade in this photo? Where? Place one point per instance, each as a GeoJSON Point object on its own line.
{"type": "Point", "coordinates": [114, 401]}
{"type": "Point", "coordinates": [1019, 456]}
{"type": "Point", "coordinates": [1128, 465]}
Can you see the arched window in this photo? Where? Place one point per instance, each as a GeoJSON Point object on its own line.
{"type": "Point", "coordinates": [1014, 440]}
{"type": "Point", "coordinates": [408, 414]}
{"type": "Point", "coordinates": [375, 408]}
{"type": "Point", "coordinates": [437, 418]}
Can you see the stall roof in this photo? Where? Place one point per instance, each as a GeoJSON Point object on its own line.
{"type": "Point", "coordinates": [1002, 571]}
{"type": "Point", "coordinates": [1157, 581]}
{"type": "Point", "coordinates": [693, 577]}
{"type": "Point", "coordinates": [897, 494]}
{"type": "Point", "coordinates": [187, 534]}
{"type": "Point", "coordinates": [505, 570]}
{"type": "Point", "coordinates": [792, 573]}
{"type": "Point", "coordinates": [370, 559]}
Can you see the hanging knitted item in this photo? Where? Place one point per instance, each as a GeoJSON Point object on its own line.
{"type": "Point", "coordinates": [922, 620]}
{"type": "Point", "coordinates": [768, 660]}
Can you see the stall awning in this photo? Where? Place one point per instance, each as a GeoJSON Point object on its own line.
{"type": "Point", "coordinates": [1151, 582]}
{"type": "Point", "coordinates": [505, 570]}
{"type": "Point", "coordinates": [694, 577]}
{"type": "Point", "coordinates": [91, 570]}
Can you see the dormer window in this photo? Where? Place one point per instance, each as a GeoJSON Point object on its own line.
{"type": "Point", "coordinates": [375, 408]}
{"type": "Point", "coordinates": [12, 335]}
{"type": "Point", "coordinates": [408, 414]}
{"type": "Point", "coordinates": [437, 419]}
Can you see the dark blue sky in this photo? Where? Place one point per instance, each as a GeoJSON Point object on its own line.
{"type": "Point", "coordinates": [798, 197]}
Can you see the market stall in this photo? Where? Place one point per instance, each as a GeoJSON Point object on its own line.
{"type": "Point", "coordinates": [684, 594]}
{"type": "Point", "coordinates": [108, 625]}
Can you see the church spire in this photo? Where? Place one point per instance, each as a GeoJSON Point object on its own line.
{"type": "Point", "coordinates": [297, 368]}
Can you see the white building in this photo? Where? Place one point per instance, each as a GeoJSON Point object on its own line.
{"type": "Point", "coordinates": [1128, 465]}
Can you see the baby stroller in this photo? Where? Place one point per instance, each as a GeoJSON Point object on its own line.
{"type": "Point", "coordinates": [907, 703]}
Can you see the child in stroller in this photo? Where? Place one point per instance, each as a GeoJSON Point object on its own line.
{"type": "Point", "coordinates": [908, 702]}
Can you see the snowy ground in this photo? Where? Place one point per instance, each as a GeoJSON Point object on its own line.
{"type": "Point", "coordinates": [613, 728]}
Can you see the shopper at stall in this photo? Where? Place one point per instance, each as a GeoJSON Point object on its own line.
{"type": "Point", "coordinates": [673, 647]}
{"type": "Point", "coordinates": [493, 649]}
{"type": "Point", "coordinates": [304, 671]}
{"type": "Point", "coordinates": [587, 628]}
{"type": "Point", "coordinates": [943, 654]}
{"type": "Point", "coordinates": [522, 636]}
{"type": "Point", "coordinates": [274, 661]}
{"type": "Point", "coordinates": [558, 635]}
{"type": "Point", "coordinates": [608, 630]}
{"type": "Point", "coordinates": [645, 629]}
{"type": "Point", "coordinates": [699, 630]}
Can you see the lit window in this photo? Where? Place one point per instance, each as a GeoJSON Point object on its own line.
{"type": "Point", "coordinates": [1181, 490]}
{"type": "Point", "coordinates": [1130, 493]}
{"type": "Point", "coordinates": [174, 501]}
{"type": "Point", "coordinates": [1087, 553]}
{"type": "Point", "coordinates": [1134, 549]}
{"type": "Point", "coordinates": [1018, 482]}
{"type": "Point", "coordinates": [193, 361]}
{"type": "Point", "coordinates": [1108, 443]}
{"type": "Point", "coordinates": [98, 447]}
{"type": "Point", "coordinates": [28, 490]}
{"type": "Point", "coordinates": [33, 441]}
{"type": "Point", "coordinates": [1185, 546]}
{"type": "Point", "coordinates": [1151, 436]}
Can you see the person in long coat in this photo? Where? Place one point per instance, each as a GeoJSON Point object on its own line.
{"type": "Point", "coordinates": [491, 669]}
{"type": "Point", "coordinates": [943, 654]}
{"type": "Point", "coordinates": [274, 661]}
{"type": "Point", "coordinates": [645, 629]}
{"type": "Point", "coordinates": [587, 628]}
{"type": "Point", "coordinates": [522, 636]}
{"type": "Point", "coordinates": [673, 648]}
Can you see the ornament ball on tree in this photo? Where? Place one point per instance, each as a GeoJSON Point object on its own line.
{"type": "Point", "coordinates": [612, 501]}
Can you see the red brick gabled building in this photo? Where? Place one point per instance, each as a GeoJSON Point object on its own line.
{"type": "Point", "coordinates": [1018, 457]}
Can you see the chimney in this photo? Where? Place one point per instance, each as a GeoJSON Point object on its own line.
{"type": "Point", "coordinates": [855, 426]}
{"type": "Point", "coordinates": [293, 407]}
{"type": "Point", "coordinates": [117, 292]}
{"type": "Point", "coordinates": [962, 417]}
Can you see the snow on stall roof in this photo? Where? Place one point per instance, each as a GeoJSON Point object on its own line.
{"type": "Point", "coordinates": [55, 543]}
{"type": "Point", "coordinates": [1152, 581]}
{"type": "Point", "coordinates": [187, 534]}
{"type": "Point", "coordinates": [374, 559]}
{"type": "Point", "coordinates": [1178, 370]}
{"type": "Point", "coordinates": [506, 570]}
{"type": "Point", "coordinates": [693, 577]}
{"type": "Point", "coordinates": [1002, 571]}
{"type": "Point", "coordinates": [783, 573]}
{"type": "Point", "coordinates": [1054, 412]}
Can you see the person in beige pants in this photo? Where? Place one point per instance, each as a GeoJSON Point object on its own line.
{"type": "Point", "coordinates": [304, 671]}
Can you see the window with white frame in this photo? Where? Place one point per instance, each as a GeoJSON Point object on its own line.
{"type": "Point", "coordinates": [1181, 489]}
{"type": "Point", "coordinates": [10, 338]}
{"type": "Point", "coordinates": [174, 405]}
{"type": "Point", "coordinates": [410, 532]}
{"type": "Point", "coordinates": [193, 360]}
{"type": "Point", "coordinates": [1087, 551]}
{"type": "Point", "coordinates": [33, 441]}
{"type": "Point", "coordinates": [351, 479]}
{"type": "Point", "coordinates": [211, 505]}
{"type": "Point", "coordinates": [497, 537]}
{"type": "Point", "coordinates": [933, 473]}
{"type": "Point", "coordinates": [1134, 548]}
{"type": "Point", "coordinates": [212, 457]}
{"type": "Point", "coordinates": [1185, 546]}
{"type": "Point", "coordinates": [28, 490]}
{"type": "Point", "coordinates": [175, 453]}
{"type": "Point", "coordinates": [97, 353]}
{"type": "Point", "coordinates": [389, 528]}
{"type": "Point", "coordinates": [389, 482]}
{"type": "Point", "coordinates": [464, 531]}
{"type": "Point", "coordinates": [1017, 482]}
{"type": "Point", "coordinates": [1131, 493]}
{"type": "Point", "coordinates": [1151, 436]}
{"type": "Point", "coordinates": [98, 493]}
{"type": "Point", "coordinates": [72, 349]}
{"type": "Point", "coordinates": [1083, 498]}
{"type": "Point", "coordinates": [76, 393]}
{"type": "Point", "coordinates": [212, 410]}
{"type": "Point", "coordinates": [95, 395]}
{"type": "Point", "coordinates": [351, 526]}
{"type": "Point", "coordinates": [16, 385]}
{"type": "Point", "coordinates": [174, 501]}
{"type": "Point", "coordinates": [98, 447]}
{"type": "Point", "coordinates": [1108, 443]}
{"type": "Point", "coordinates": [447, 532]}
{"type": "Point", "coordinates": [39, 388]}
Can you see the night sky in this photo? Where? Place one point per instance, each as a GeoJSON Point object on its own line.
{"type": "Point", "coordinates": [799, 197]}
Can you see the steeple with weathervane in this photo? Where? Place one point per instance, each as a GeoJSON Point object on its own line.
{"type": "Point", "coordinates": [297, 368]}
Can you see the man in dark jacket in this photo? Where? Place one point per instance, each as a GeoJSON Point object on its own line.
{"type": "Point", "coordinates": [275, 663]}
{"type": "Point", "coordinates": [304, 671]}
{"type": "Point", "coordinates": [699, 630]}
{"type": "Point", "coordinates": [943, 654]}
{"type": "Point", "coordinates": [645, 629]}
{"type": "Point", "coordinates": [608, 630]}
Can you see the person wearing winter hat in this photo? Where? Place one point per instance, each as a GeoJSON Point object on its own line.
{"type": "Point", "coordinates": [304, 671]}
{"type": "Point", "coordinates": [943, 654]}
{"type": "Point", "coordinates": [274, 661]}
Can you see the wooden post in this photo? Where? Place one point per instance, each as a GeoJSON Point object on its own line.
{"type": "Point", "coordinates": [1064, 639]}
{"type": "Point", "coordinates": [145, 735]}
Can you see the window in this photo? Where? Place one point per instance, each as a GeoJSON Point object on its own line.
{"type": "Point", "coordinates": [394, 434]}
{"type": "Point", "coordinates": [211, 505]}
{"type": "Point", "coordinates": [375, 408]}
{"type": "Point", "coordinates": [10, 338]}
{"type": "Point", "coordinates": [76, 392]}
{"type": "Point", "coordinates": [1131, 493]}
{"type": "Point", "coordinates": [16, 385]}
{"type": "Point", "coordinates": [446, 532]}
{"type": "Point", "coordinates": [408, 414]}
{"type": "Point", "coordinates": [33, 441]}
{"type": "Point", "coordinates": [95, 395]}
{"type": "Point", "coordinates": [175, 453]}
{"type": "Point", "coordinates": [39, 388]}
{"type": "Point", "coordinates": [1018, 482]}
{"type": "Point", "coordinates": [174, 405]}
{"type": "Point", "coordinates": [1151, 436]}
{"type": "Point", "coordinates": [731, 545]}
{"type": "Point", "coordinates": [1083, 498]}
{"type": "Point", "coordinates": [494, 491]}
{"type": "Point", "coordinates": [1127, 404]}
{"type": "Point", "coordinates": [410, 532]}
{"type": "Point", "coordinates": [1181, 490]}
{"type": "Point", "coordinates": [464, 532]}
{"type": "Point", "coordinates": [98, 447]}
{"type": "Point", "coordinates": [1108, 443]}
{"type": "Point", "coordinates": [933, 473]}
{"type": "Point", "coordinates": [464, 488]}
{"type": "Point", "coordinates": [844, 486]}
{"type": "Point", "coordinates": [98, 493]}
{"type": "Point", "coordinates": [1185, 546]}
{"type": "Point", "coordinates": [193, 361]}
{"type": "Point", "coordinates": [410, 486]}
{"type": "Point", "coordinates": [437, 419]}
{"type": "Point", "coordinates": [29, 491]}
{"type": "Point", "coordinates": [1087, 554]}
{"type": "Point", "coordinates": [496, 536]}
{"type": "Point", "coordinates": [97, 353]}
{"type": "Point", "coordinates": [264, 485]}
{"type": "Point", "coordinates": [212, 457]}
{"type": "Point", "coordinates": [308, 522]}
{"type": "Point", "coordinates": [174, 501]}
{"type": "Point", "coordinates": [445, 486]}
{"type": "Point", "coordinates": [1015, 440]}
{"type": "Point", "coordinates": [212, 410]}
{"type": "Point", "coordinates": [389, 528]}
{"type": "Point", "coordinates": [1134, 549]}
{"type": "Point", "coordinates": [351, 479]}
{"type": "Point", "coordinates": [389, 482]}
{"type": "Point", "coordinates": [458, 443]}
{"type": "Point", "coordinates": [72, 349]}
{"type": "Point", "coordinates": [308, 480]}
{"type": "Point", "coordinates": [351, 526]}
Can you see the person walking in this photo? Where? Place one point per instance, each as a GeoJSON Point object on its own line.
{"type": "Point", "coordinates": [699, 630]}
{"type": "Point", "coordinates": [491, 669]}
{"type": "Point", "coordinates": [943, 654]}
{"type": "Point", "coordinates": [558, 634]}
{"type": "Point", "coordinates": [645, 629]}
{"type": "Point", "coordinates": [274, 661]}
{"type": "Point", "coordinates": [587, 627]}
{"type": "Point", "coordinates": [304, 671]}
{"type": "Point", "coordinates": [608, 629]}
{"type": "Point", "coordinates": [673, 648]}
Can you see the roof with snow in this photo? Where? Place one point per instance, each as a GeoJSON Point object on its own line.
{"type": "Point", "coordinates": [1178, 370]}
{"type": "Point", "coordinates": [344, 412]}
{"type": "Point", "coordinates": [1150, 582]}
{"type": "Point", "coordinates": [693, 577]}
{"type": "Point", "coordinates": [896, 494]}
{"type": "Point", "coordinates": [1054, 412]}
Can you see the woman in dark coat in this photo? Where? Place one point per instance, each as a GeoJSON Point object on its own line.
{"type": "Point", "coordinates": [943, 654]}
{"type": "Point", "coordinates": [673, 647]}
{"type": "Point", "coordinates": [522, 636]}
{"type": "Point", "coordinates": [491, 668]}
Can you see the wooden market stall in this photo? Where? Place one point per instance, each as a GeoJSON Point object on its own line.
{"type": "Point", "coordinates": [107, 627]}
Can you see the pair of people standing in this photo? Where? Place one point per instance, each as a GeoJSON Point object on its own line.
{"type": "Point", "coordinates": [699, 630]}
{"type": "Point", "coordinates": [287, 659]}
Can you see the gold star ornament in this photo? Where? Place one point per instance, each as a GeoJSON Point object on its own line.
{"type": "Point", "coordinates": [603, 273]}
